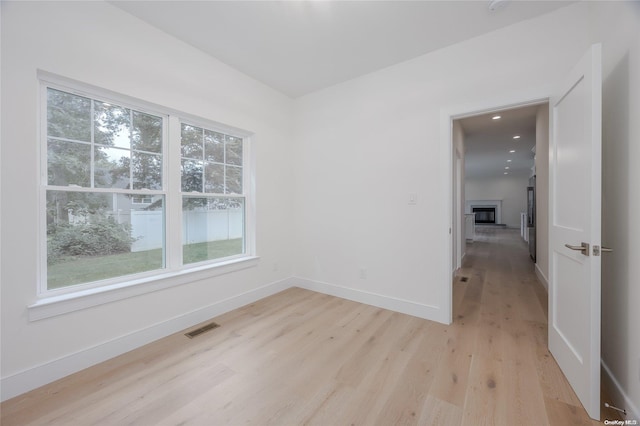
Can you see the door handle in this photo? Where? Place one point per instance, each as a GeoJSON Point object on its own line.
{"type": "Point", "coordinates": [598, 249]}
{"type": "Point", "coordinates": [582, 248]}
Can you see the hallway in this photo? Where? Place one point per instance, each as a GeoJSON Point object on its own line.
{"type": "Point", "coordinates": [502, 313]}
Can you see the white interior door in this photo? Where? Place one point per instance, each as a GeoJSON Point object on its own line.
{"type": "Point", "coordinates": [575, 202]}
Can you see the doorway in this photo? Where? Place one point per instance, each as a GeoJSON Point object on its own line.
{"type": "Point", "coordinates": [575, 207]}
{"type": "Point", "coordinates": [503, 151]}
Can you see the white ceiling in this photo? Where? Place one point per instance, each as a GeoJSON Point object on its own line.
{"type": "Point", "coordinates": [298, 47]}
{"type": "Point", "coordinates": [488, 142]}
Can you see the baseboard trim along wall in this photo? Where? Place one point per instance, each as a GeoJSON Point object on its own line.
{"type": "Point", "coordinates": [619, 397]}
{"type": "Point", "coordinates": [542, 278]}
{"type": "Point", "coordinates": [419, 310]}
{"type": "Point", "coordinates": [24, 381]}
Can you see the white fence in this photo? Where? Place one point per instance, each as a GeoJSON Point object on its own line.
{"type": "Point", "coordinates": [198, 226]}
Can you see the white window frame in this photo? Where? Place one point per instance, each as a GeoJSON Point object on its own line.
{"type": "Point", "coordinates": [246, 178]}
{"type": "Point", "coordinates": [79, 296]}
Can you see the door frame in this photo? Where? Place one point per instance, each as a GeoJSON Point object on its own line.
{"type": "Point", "coordinates": [458, 231]}
{"type": "Point", "coordinates": [448, 114]}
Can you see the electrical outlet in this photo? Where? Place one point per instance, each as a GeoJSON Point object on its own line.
{"type": "Point", "coordinates": [363, 274]}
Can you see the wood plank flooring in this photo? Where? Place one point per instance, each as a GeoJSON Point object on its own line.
{"type": "Point", "coordinates": [301, 357]}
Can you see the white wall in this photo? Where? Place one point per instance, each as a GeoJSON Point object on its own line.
{"type": "Point", "coordinates": [512, 190]}
{"type": "Point", "coordinates": [366, 144]}
{"type": "Point", "coordinates": [617, 26]}
{"type": "Point", "coordinates": [99, 44]}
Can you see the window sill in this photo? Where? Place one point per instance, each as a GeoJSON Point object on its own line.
{"type": "Point", "coordinates": [48, 307]}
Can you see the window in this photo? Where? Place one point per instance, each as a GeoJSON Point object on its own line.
{"type": "Point", "coordinates": [99, 157]}
{"type": "Point", "coordinates": [212, 194]}
{"type": "Point", "coordinates": [107, 198]}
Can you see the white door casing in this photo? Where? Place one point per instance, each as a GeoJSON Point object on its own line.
{"type": "Point", "coordinates": [575, 148]}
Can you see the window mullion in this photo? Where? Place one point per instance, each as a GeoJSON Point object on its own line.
{"type": "Point", "coordinates": [131, 149]}
{"type": "Point", "coordinates": [44, 180]}
{"type": "Point", "coordinates": [92, 167]}
{"type": "Point", "coordinates": [204, 164]}
{"type": "Point", "coordinates": [224, 168]}
{"type": "Point", "coordinates": [248, 193]}
{"type": "Point", "coordinates": [173, 205]}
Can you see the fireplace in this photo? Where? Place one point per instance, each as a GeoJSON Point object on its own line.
{"type": "Point", "coordinates": [486, 211]}
{"type": "Point", "coordinates": [485, 214]}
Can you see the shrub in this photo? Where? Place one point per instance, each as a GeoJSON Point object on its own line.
{"type": "Point", "coordinates": [98, 236]}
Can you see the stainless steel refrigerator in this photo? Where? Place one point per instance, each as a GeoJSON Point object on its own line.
{"type": "Point", "coordinates": [531, 216]}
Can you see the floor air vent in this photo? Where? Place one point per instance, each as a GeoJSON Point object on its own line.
{"type": "Point", "coordinates": [464, 279]}
{"type": "Point", "coordinates": [201, 330]}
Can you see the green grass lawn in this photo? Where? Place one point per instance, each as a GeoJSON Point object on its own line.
{"type": "Point", "coordinates": [84, 269]}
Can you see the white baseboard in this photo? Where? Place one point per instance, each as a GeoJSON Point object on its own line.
{"type": "Point", "coordinates": [24, 381]}
{"type": "Point", "coordinates": [408, 307]}
{"type": "Point", "coordinates": [618, 395]}
{"type": "Point", "coordinates": [543, 279]}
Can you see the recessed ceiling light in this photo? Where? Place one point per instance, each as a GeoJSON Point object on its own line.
{"type": "Point", "coordinates": [508, 161]}
{"type": "Point", "coordinates": [506, 168]}
{"type": "Point", "coordinates": [496, 117]}
{"type": "Point", "coordinates": [516, 137]}
{"type": "Point", "coordinates": [506, 173]}
{"type": "Point", "coordinates": [512, 151]}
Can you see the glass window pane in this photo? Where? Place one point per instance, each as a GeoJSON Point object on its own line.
{"type": "Point", "coordinates": [214, 178]}
{"type": "Point", "coordinates": [68, 163]}
{"type": "Point", "coordinates": [112, 168]}
{"type": "Point", "coordinates": [147, 132]}
{"type": "Point", "coordinates": [191, 142]}
{"type": "Point", "coordinates": [191, 176]}
{"type": "Point", "coordinates": [147, 171]}
{"type": "Point", "coordinates": [68, 116]}
{"type": "Point", "coordinates": [112, 125]}
{"type": "Point", "coordinates": [213, 146]}
{"type": "Point", "coordinates": [234, 180]}
{"type": "Point", "coordinates": [212, 228]}
{"type": "Point", "coordinates": [96, 236]}
{"type": "Point", "coordinates": [233, 151]}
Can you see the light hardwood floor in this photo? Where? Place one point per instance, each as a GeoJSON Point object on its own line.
{"type": "Point", "coordinates": [301, 357]}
